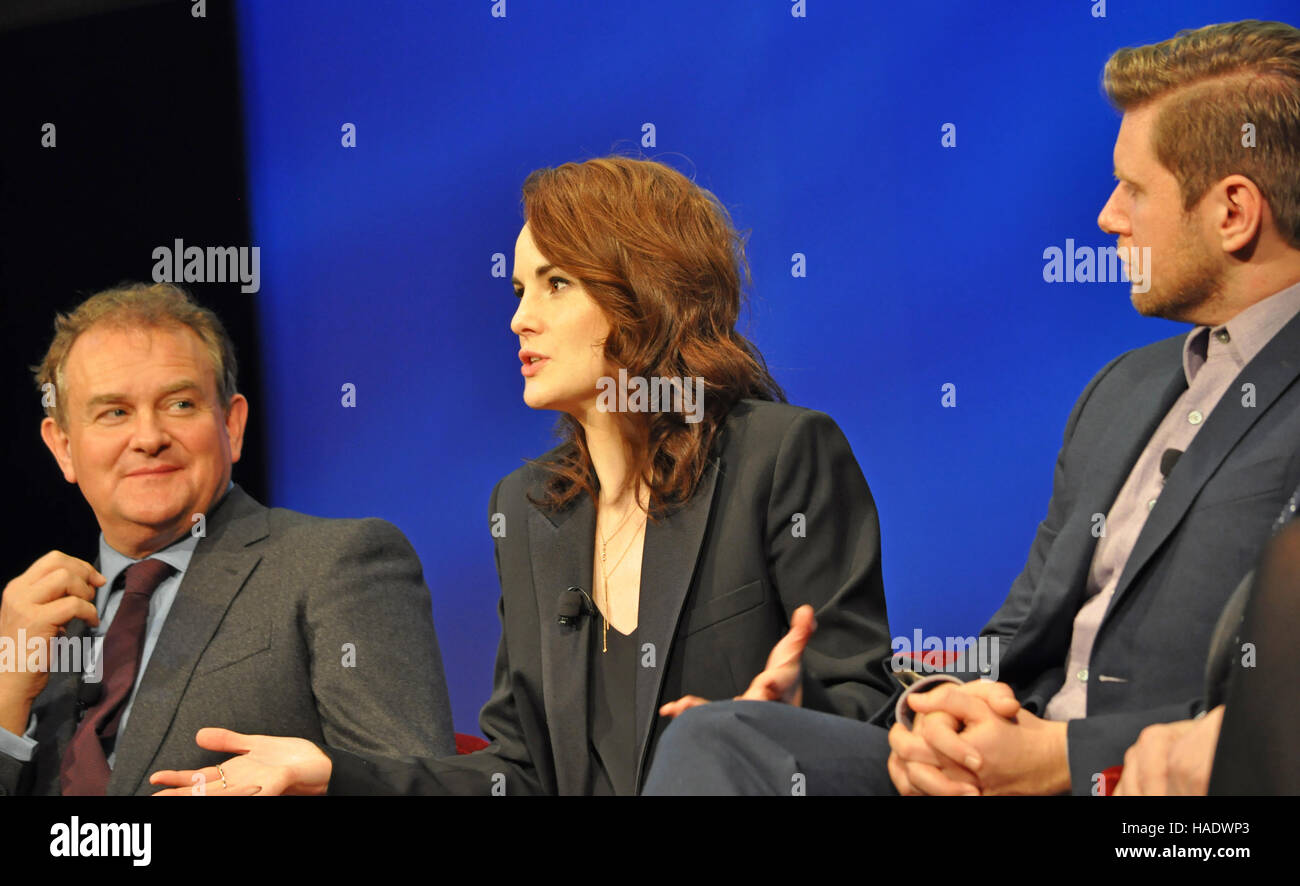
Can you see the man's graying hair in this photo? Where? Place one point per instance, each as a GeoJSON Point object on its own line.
{"type": "Point", "coordinates": [136, 306]}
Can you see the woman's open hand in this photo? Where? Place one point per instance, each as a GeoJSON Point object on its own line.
{"type": "Point", "coordinates": [266, 765]}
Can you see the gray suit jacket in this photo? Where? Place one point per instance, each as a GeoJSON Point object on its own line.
{"type": "Point", "coordinates": [256, 642]}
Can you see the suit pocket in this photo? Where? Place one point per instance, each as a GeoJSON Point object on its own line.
{"type": "Point", "coordinates": [1265, 477]}
{"type": "Point", "coordinates": [232, 647]}
{"type": "Point", "coordinates": [732, 603]}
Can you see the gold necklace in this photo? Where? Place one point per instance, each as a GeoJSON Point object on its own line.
{"type": "Point", "coordinates": [604, 636]}
{"type": "Point", "coordinates": [603, 539]}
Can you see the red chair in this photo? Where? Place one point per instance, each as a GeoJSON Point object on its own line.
{"type": "Point", "coordinates": [1110, 778]}
{"type": "Point", "coordinates": [468, 744]}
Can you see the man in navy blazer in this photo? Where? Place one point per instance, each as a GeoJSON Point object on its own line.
{"type": "Point", "coordinates": [1176, 460]}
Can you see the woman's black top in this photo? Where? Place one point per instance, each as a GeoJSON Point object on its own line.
{"type": "Point", "coordinates": [612, 711]}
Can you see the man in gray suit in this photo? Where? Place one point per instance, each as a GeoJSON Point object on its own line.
{"type": "Point", "coordinates": [204, 606]}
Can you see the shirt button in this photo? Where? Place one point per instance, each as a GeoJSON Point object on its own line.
{"type": "Point", "coordinates": [1151, 505]}
{"type": "Point", "coordinates": [1082, 675]}
{"type": "Point", "coordinates": [1195, 417]}
{"type": "Point", "coordinates": [1222, 335]}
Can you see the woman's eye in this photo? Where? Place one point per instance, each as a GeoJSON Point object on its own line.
{"type": "Point", "coordinates": [556, 283]}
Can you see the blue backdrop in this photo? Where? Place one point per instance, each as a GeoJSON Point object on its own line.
{"type": "Point", "coordinates": [822, 135]}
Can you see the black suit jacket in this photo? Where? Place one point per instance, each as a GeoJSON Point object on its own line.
{"type": "Point", "coordinates": [1256, 752]}
{"type": "Point", "coordinates": [1227, 654]}
{"type": "Point", "coordinates": [781, 517]}
{"type": "Point", "coordinates": [1207, 530]}
{"type": "Point", "coordinates": [255, 642]}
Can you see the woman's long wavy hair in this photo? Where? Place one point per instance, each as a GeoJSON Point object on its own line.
{"type": "Point", "coordinates": [661, 258]}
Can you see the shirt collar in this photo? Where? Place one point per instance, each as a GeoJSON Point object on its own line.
{"type": "Point", "coordinates": [113, 562]}
{"type": "Point", "coordinates": [1242, 337]}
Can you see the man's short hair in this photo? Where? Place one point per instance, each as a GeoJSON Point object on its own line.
{"type": "Point", "coordinates": [136, 306]}
{"type": "Point", "coordinates": [1213, 81]}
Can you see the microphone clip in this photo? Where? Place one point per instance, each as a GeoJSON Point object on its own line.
{"type": "Point", "coordinates": [574, 605]}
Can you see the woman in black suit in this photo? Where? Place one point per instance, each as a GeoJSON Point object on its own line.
{"type": "Point", "coordinates": [663, 549]}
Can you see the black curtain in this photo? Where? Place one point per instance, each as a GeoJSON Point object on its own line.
{"type": "Point", "coordinates": [145, 101]}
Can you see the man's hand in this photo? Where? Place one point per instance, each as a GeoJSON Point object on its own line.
{"type": "Point", "coordinates": [1172, 759]}
{"type": "Point", "coordinates": [267, 766]}
{"type": "Point", "coordinates": [781, 680]}
{"type": "Point", "coordinates": [931, 758]}
{"type": "Point", "coordinates": [916, 768]}
{"type": "Point", "coordinates": [52, 592]}
{"type": "Point", "coordinates": [1008, 749]}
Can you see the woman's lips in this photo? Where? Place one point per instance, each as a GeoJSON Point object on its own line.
{"type": "Point", "coordinates": [529, 369]}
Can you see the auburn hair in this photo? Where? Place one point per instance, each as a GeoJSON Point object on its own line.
{"type": "Point", "coordinates": [1213, 82]}
{"type": "Point", "coordinates": [660, 257]}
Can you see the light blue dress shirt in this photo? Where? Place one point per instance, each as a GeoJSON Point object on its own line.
{"type": "Point", "coordinates": [113, 564]}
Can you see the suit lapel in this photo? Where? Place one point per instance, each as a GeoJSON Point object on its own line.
{"type": "Point", "coordinates": [563, 546]}
{"type": "Point", "coordinates": [1124, 442]}
{"type": "Point", "coordinates": [1272, 371]}
{"type": "Point", "coordinates": [672, 547]}
{"type": "Point", "coordinates": [1063, 585]}
{"type": "Point", "coordinates": [1103, 478]}
{"type": "Point", "coordinates": [82, 631]}
{"type": "Point", "coordinates": [216, 573]}
{"type": "Point", "coordinates": [69, 684]}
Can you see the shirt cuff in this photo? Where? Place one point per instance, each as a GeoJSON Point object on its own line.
{"type": "Point", "coordinates": [903, 713]}
{"type": "Point", "coordinates": [20, 747]}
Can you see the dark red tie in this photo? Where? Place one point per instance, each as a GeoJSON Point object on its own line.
{"type": "Point", "coordinates": [84, 770]}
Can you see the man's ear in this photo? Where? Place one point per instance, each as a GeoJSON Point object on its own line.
{"type": "Point", "coordinates": [56, 440]}
{"type": "Point", "coordinates": [236, 418]}
{"type": "Point", "coordinates": [1241, 212]}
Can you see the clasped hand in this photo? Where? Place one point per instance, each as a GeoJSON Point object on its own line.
{"type": "Point", "coordinates": [974, 738]}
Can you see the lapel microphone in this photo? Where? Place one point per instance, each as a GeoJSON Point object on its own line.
{"type": "Point", "coordinates": [574, 606]}
{"type": "Point", "coordinates": [1167, 461]}
{"type": "Point", "coordinates": [88, 694]}
{"type": "Point", "coordinates": [90, 687]}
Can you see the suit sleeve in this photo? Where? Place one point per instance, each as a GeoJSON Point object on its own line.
{"type": "Point", "coordinates": [505, 767]}
{"type": "Point", "coordinates": [1006, 622]}
{"type": "Point", "coordinates": [1096, 742]}
{"type": "Point", "coordinates": [16, 753]}
{"type": "Point", "coordinates": [1099, 742]}
{"type": "Point", "coordinates": [376, 670]}
{"type": "Point", "coordinates": [824, 549]}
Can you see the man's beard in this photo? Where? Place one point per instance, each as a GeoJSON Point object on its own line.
{"type": "Point", "coordinates": [1188, 280]}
